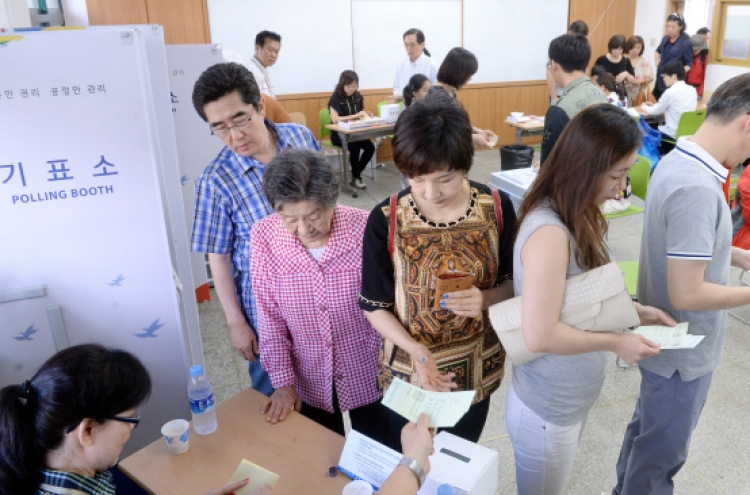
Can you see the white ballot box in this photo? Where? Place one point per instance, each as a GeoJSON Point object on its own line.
{"type": "Point", "coordinates": [514, 182]}
{"type": "Point", "coordinates": [390, 112]}
{"type": "Point", "coordinates": [468, 467]}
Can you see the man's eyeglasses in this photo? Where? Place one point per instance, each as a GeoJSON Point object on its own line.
{"type": "Point", "coordinates": [223, 130]}
{"type": "Point", "coordinates": [134, 419]}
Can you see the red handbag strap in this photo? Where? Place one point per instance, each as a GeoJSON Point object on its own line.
{"type": "Point", "coordinates": [498, 211]}
{"type": "Point", "coordinates": [392, 225]}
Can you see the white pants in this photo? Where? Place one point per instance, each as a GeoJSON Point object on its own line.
{"type": "Point", "coordinates": [544, 452]}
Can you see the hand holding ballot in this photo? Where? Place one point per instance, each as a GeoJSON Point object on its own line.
{"type": "Point", "coordinates": [444, 408]}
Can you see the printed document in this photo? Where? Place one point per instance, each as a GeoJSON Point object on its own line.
{"type": "Point", "coordinates": [670, 337]}
{"type": "Point", "coordinates": [444, 408]}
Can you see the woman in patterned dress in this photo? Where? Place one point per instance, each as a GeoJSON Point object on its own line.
{"type": "Point", "coordinates": [442, 226]}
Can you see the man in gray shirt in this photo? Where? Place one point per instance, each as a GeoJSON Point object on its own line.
{"type": "Point", "coordinates": [686, 252]}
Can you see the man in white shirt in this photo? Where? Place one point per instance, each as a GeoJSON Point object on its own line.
{"type": "Point", "coordinates": [418, 61]}
{"type": "Point", "coordinates": [267, 47]}
{"type": "Point", "coordinates": [677, 99]}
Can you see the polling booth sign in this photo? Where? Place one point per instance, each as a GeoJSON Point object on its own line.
{"type": "Point", "coordinates": [84, 236]}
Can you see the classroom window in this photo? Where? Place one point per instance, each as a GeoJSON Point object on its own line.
{"type": "Point", "coordinates": [733, 32]}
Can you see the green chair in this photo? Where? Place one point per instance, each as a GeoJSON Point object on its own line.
{"type": "Point", "coordinates": [688, 124]}
{"type": "Point", "coordinates": [325, 135]}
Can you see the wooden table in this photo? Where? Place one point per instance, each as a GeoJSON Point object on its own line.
{"type": "Point", "coordinates": [528, 128]}
{"type": "Point", "coordinates": [348, 136]}
{"type": "Point", "coordinates": [298, 450]}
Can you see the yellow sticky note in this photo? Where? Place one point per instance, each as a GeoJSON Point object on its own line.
{"type": "Point", "coordinates": [258, 476]}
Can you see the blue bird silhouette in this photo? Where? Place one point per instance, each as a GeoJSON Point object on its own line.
{"type": "Point", "coordinates": [183, 179]}
{"type": "Point", "coordinates": [150, 331]}
{"type": "Point", "coordinates": [26, 334]}
{"type": "Point", "coordinates": [118, 281]}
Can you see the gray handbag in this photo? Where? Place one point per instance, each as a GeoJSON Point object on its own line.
{"type": "Point", "coordinates": [596, 300]}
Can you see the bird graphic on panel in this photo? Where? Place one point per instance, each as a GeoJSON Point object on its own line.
{"type": "Point", "coordinates": [150, 331]}
{"type": "Point", "coordinates": [26, 334]}
{"type": "Point", "coordinates": [183, 180]}
{"type": "Point", "coordinates": [118, 281]}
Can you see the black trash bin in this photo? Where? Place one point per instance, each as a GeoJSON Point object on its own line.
{"type": "Point", "coordinates": [515, 156]}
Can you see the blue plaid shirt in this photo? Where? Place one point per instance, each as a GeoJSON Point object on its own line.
{"type": "Point", "coordinates": [65, 483]}
{"type": "Point", "coordinates": [229, 200]}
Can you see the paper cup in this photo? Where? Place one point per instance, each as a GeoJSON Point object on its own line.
{"type": "Point", "coordinates": [516, 115]}
{"type": "Point", "coordinates": [358, 487]}
{"type": "Point", "coordinates": [176, 435]}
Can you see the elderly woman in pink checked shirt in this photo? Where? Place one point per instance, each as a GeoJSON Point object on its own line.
{"type": "Point", "coordinates": [306, 265]}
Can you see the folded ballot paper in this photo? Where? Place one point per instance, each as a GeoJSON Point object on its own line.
{"type": "Point", "coordinates": [444, 408]}
{"type": "Point", "coordinates": [670, 337]}
{"type": "Point", "coordinates": [258, 476]}
{"type": "Point", "coordinates": [362, 124]}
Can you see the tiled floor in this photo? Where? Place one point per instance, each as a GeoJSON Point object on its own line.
{"type": "Point", "coordinates": [718, 463]}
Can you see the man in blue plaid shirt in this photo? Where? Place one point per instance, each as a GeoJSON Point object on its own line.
{"type": "Point", "coordinates": [229, 195]}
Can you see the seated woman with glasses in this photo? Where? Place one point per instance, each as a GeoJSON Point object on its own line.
{"type": "Point", "coordinates": [63, 429]}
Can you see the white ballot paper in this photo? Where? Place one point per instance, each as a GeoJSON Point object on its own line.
{"type": "Point", "coordinates": [444, 408]}
{"type": "Point", "coordinates": [670, 337]}
{"type": "Point", "coordinates": [365, 459]}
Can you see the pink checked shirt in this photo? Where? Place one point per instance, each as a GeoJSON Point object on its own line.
{"type": "Point", "coordinates": [312, 333]}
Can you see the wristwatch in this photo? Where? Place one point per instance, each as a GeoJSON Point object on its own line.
{"type": "Point", "coordinates": [415, 468]}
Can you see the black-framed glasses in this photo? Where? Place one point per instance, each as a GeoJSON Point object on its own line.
{"type": "Point", "coordinates": [134, 419]}
{"type": "Point", "coordinates": [223, 130]}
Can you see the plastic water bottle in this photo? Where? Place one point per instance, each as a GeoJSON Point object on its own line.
{"type": "Point", "coordinates": [201, 401]}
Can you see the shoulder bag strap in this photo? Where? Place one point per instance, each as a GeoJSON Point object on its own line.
{"type": "Point", "coordinates": [392, 225]}
{"type": "Point", "coordinates": [498, 212]}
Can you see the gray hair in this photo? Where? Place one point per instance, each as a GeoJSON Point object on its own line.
{"type": "Point", "coordinates": [296, 175]}
{"type": "Point", "coordinates": [730, 100]}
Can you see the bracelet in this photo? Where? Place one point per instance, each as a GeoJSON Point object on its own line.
{"type": "Point", "coordinates": [415, 468]}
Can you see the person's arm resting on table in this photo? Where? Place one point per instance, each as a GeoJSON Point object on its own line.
{"type": "Point", "coordinates": [545, 260]}
{"type": "Point", "coordinates": [275, 342]}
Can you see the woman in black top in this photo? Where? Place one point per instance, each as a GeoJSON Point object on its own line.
{"type": "Point", "coordinates": [615, 63]}
{"type": "Point", "coordinates": [347, 104]}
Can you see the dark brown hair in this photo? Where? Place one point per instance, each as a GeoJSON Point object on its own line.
{"type": "Point", "coordinates": [433, 135]}
{"type": "Point", "coordinates": [347, 77]}
{"type": "Point", "coordinates": [635, 40]}
{"type": "Point", "coordinates": [589, 146]}
{"type": "Point", "coordinates": [457, 67]}
{"type": "Point", "coordinates": [616, 41]}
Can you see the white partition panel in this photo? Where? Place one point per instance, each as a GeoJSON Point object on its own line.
{"type": "Point", "coordinates": [378, 28]}
{"type": "Point", "coordinates": [196, 146]}
{"type": "Point", "coordinates": [82, 211]}
{"type": "Point", "coordinates": [511, 38]}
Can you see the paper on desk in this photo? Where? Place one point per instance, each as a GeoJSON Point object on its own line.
{"type": "Point", "coordinates": [670, 337]}
{"type": "Point", "coordinates": [258, 476]}
{"type": "Point", "coordinates": [365, 459]}
{"type": "Point", "coordinates": [444, 408]}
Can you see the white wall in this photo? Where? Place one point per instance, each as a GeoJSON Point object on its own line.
{"type": "Point", "coordinates": [649, 24]}
{"type": "Point", "coordinates": [75, 12]}
{"type": "Point", "coordinates": [717, 74]}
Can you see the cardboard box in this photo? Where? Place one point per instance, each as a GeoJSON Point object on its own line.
{"type": "Point", "coordinates": [469, 468]}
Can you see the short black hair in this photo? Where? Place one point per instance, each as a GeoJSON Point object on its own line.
{"type": "Point", "coordinates": [616, 41]}
{"type": "Point", "coordinates": [415, 84]}
{"type": "Point", "coordinates": [730, 100]}
{"type": "Point", "coordinates": [598, 70]}
{"type": "Point", "coordinates": [86, 381]}
{"type": "Point", "coordinates": [221, 79]}
{"type": "Point", "coordinates": [674, 16]}
{"type": "Point", "coordinates": [433, 135]}
{"type": "Point", "coordinates": [458, 67]}
{"type": "Point", "coordinates": [260, 38]}
{"type": "Point", "coordinates": [571, 51]}
{"type": "Point", "coordinates": [703, 31]}
{"type": "Point", "coordinates": [674, 68]}
{"type": "Point", "coordinates": [579, 27]}
{"type": "Point", "coordinates": [418, 32]}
